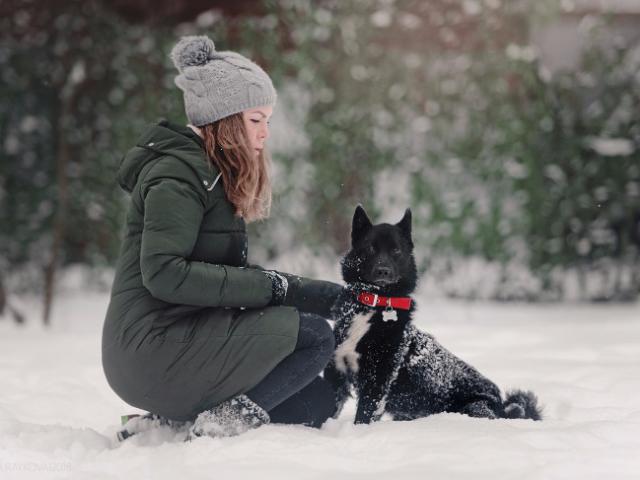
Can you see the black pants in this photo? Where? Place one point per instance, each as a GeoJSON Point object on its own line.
{"type": "Point", "coordinates": [292, 392]}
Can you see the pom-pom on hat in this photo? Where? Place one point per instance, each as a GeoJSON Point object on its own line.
{"type": "Point", "coordinates": [218, 84]}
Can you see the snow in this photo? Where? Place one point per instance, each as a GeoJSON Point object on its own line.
{"type": "Point", "coordinates": [612, 147]}
{"type": "Point", "coordinates": [58, 416]}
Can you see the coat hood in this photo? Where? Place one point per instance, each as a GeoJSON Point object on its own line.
{"type": "Point", "coordinates": [165, 139]}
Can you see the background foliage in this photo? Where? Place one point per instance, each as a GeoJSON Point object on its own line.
{"type": "Point", "coordinates": [523, 184]}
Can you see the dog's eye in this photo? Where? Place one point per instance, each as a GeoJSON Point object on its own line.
{"type": "Point", "coordinates": [395, 252]}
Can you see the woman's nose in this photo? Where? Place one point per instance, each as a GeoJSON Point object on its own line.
{"type": "Point", "coordinates": [264, 132]}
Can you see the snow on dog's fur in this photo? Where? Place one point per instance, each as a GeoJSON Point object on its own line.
{"type": "Point", "coordinates": [393, 366]}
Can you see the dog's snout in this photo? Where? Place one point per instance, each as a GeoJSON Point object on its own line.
{"type": "Point", "coordinates": [383, 272]}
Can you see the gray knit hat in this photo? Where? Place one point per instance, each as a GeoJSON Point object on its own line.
{"type": "Point", "coordinates": [218, 84]}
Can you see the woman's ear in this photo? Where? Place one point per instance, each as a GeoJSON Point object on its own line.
{"type": "Point", "coordinates": [360, 225]}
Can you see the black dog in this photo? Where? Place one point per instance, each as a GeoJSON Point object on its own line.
{"type": "Point", "coordinates": [394, 367]}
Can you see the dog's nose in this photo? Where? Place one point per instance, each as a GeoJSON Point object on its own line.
{"type": "Point", "coordinates": [383, 272]}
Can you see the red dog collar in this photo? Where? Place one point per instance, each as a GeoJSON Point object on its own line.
{"type": "Point", "coordinates": [375, 300]}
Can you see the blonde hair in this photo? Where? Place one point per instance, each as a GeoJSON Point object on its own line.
{"type": "Point", "coordinates": [246, 178]}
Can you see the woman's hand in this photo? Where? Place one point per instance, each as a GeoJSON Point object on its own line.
{"type": "Point", "coordinates": [279, 286]}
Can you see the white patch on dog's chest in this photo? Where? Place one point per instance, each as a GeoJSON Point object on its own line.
{"type": "Point", "coordinates": [346, 357]}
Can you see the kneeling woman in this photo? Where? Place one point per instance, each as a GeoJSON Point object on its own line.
{"type": "Point", "coordinates": [193, 333]}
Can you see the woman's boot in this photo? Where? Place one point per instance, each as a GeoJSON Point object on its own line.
{"type": "Point", "coordinates": [134, 424]}
{"type": "Point", "coordinates": [230, 418]}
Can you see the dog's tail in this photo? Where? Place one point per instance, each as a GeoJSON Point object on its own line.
{"type": "Point", "coordinates": [521, 404]}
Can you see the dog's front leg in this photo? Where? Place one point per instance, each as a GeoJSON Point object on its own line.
{"type": "Point", "coordinates": [371, 400]}
{"type": "Point", "coordinates": [340, 384]}
{"type": "Point", "coordinates": [378, 371]}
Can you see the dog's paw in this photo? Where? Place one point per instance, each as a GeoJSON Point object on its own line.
{"type": "Point", "coordinates": [514, 410]}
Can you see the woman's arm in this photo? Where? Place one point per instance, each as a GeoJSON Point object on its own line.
{"type": "Point", "coordinates": [309, 295]}
{"type": "Point", "coordinates": [173, 212]}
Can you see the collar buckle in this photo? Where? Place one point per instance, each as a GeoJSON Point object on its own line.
{"type": "Point", "coordinates": [375, 300]}
{"type": "Point", "coordinates": [370, 299]}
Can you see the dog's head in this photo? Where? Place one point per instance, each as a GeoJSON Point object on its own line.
{"type": "Point", "coordinates": [381, 255]}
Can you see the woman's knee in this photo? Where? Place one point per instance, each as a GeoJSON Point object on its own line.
{"type": "Point", "coordinates": [315, 332]}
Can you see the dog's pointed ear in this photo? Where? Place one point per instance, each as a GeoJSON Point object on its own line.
{"type": "Point", "coordinates": [360, 224]}
{"type": "Point", "coordinates": [405, 224]}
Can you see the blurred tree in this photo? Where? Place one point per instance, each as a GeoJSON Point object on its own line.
{"type": "Point", "coordinates": [536, 171]}
{"type": "Point", "coordinates": [363, 66]}
{"type": "Point", "coordinates": [172, 12]}
{"type": "Point", "coordinates": [6, 306]}
{"type": "Point", "coordinates": [442, 106]}
{"type": "Point", "coordinates": [68, 71]}
{"type": "Point", "coordinates": [78, 84]}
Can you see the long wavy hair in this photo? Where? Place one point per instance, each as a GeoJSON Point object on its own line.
{"type": "Point", "coordinates": [245, 177]}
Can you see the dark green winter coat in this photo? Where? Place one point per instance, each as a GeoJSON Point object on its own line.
{"type": "Point", "coordinates": [188, 324]}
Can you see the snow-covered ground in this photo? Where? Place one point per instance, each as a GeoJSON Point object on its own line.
{"type": "Point", "coordinates": [58, 416]}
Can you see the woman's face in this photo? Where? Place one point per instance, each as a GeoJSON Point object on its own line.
{"type": "Point", "coordinates": [256, 122]}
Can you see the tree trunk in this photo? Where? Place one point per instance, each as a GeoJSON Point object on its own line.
{"type": "Point", "coordinates": [4, 304]}
{"type": "Point", "coordinates": [59, 224]}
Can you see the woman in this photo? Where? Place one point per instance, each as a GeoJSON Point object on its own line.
{"type": "Point", "coordinates": [193, 333]}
